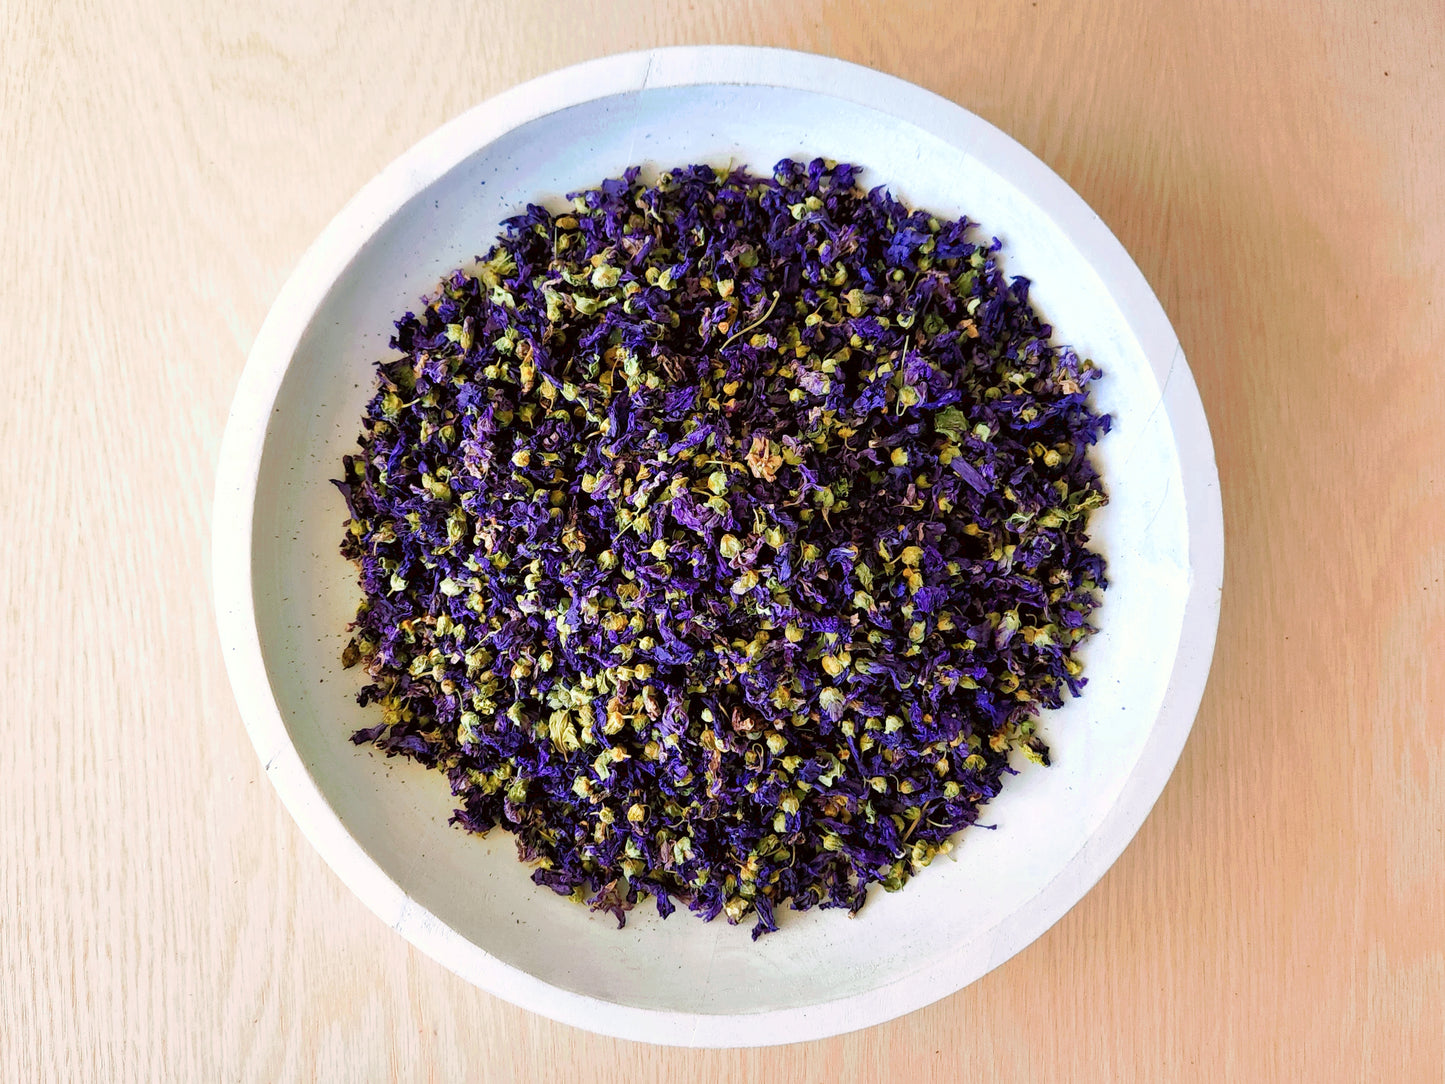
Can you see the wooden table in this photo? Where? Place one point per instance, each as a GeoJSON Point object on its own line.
{"type": "Point", "coordinates": [1278, 171]}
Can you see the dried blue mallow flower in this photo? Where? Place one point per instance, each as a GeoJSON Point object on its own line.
{"type": "Point", "coordinates": [720, 538]}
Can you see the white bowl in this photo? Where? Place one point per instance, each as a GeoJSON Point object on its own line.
{"type": "Point", "coordinates": [284, 596]}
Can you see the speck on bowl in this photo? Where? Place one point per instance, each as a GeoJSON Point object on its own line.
{"type": "Point", "coordinates": [284, 596]}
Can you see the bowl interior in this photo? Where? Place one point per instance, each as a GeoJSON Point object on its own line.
{"type": "Point", "coordinates": [305, 594]}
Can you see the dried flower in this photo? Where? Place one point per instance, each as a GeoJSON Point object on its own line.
{"type": "Point", "coordinates": [720, 538]}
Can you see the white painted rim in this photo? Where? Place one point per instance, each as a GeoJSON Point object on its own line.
{"type": "Point", "coordinates": [240, 461]}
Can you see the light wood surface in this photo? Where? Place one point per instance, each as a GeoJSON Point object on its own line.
{"type": "Point", "coordinates": [1278, 171]}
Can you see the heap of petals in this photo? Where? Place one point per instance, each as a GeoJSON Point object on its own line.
{"type": "Point", "coordinates": [721, 538]}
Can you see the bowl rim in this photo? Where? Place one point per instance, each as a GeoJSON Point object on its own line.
{"type": "Point", "coordinates": [267, 364]}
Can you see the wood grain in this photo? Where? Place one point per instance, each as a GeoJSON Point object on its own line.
{"type": "Point", "coordinates": [1277, 170]}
